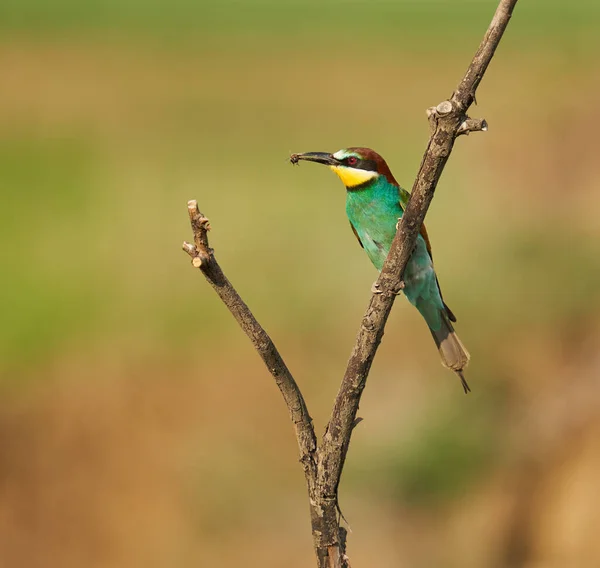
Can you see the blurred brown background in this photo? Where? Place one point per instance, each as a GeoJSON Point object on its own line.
{"type": "Point", "coordinates": [137, 426]}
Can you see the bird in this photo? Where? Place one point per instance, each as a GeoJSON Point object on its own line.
{"type": "Point", "coordinates": [375, 203]}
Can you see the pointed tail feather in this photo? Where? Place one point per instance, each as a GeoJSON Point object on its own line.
{"type": "Point", "coordinates": [453, 353]}
{"type": "Point", "coordinates": [463, 381]}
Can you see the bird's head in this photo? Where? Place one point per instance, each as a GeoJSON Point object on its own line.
{"type": "Point", "coordinates": [354, 166]}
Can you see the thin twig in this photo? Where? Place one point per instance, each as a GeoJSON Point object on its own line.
{"type": "Point", "coordinates": [203, 258]}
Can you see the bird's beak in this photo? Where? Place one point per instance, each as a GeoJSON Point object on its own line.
{"type": "Point", "coordinates": [319, 157]}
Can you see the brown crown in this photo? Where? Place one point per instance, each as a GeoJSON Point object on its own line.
{"type": "Point", "coordinates": [382, 167]}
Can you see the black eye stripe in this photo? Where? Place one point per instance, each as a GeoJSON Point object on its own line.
{"type": "Point", "coordinates": [368, 165]}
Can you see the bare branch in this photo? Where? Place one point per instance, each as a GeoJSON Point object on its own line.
{"type": "Point", "coordinates": [203, 258]}
{"type": "Point", "coordinates": [446, 120]}
{"type": "Point", "coordinates": [464, 95]}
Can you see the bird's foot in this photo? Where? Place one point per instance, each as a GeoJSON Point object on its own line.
{"type": "Point", "coordinates": [376, 289]}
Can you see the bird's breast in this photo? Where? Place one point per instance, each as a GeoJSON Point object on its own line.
{"type": "Point", "coordinates": [375, 227]}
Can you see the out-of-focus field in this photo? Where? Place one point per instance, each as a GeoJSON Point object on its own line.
{"type": "Point", "coordinates": [137, 426]}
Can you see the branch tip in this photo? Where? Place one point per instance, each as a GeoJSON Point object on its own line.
{"type": "Point", "coordinates": [472, 125]}
{"type": "Point", "coordinates": [444, 108]}
{"type": "Point", "coordinates": [189, 248]}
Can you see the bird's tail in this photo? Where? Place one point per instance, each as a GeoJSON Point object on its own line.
{"type": "Point", "coordinates": [453, 353]}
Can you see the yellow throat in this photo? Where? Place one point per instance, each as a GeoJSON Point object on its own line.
{"type": "Point", "coordinates": [352, 177]}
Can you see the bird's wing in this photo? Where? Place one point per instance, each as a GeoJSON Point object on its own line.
{"type": "Point", "coordinates": [356, 235]}
{"type": "Point", "coordinates": [426, 239]}
{"type": "Point", "coordinates": [404, 197]}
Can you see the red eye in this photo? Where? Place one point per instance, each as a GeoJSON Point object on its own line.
{"type": "Point", "coordinates": [352, 161]}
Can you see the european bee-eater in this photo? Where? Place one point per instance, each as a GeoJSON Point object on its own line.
{"type": "Point", "coordinates": [374, 204]}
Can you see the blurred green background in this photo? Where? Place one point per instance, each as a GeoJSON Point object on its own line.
{"type": "Point", "coordinates": [139, 429]}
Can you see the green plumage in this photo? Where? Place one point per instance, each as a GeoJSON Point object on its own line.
{"type": "Point", "coordinates": [374, 204]}
{"type": "Point", "coordinates": [373, 211]}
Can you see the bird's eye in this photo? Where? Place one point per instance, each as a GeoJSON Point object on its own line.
{"type": "Point", "coordinates": [352, 161]}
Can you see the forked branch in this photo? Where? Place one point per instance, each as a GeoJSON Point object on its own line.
{"type": "Point", "coordinates": [323, 464]}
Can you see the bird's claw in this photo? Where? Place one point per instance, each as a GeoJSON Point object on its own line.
{"type": "Point", "coordinates": [376, 289]}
